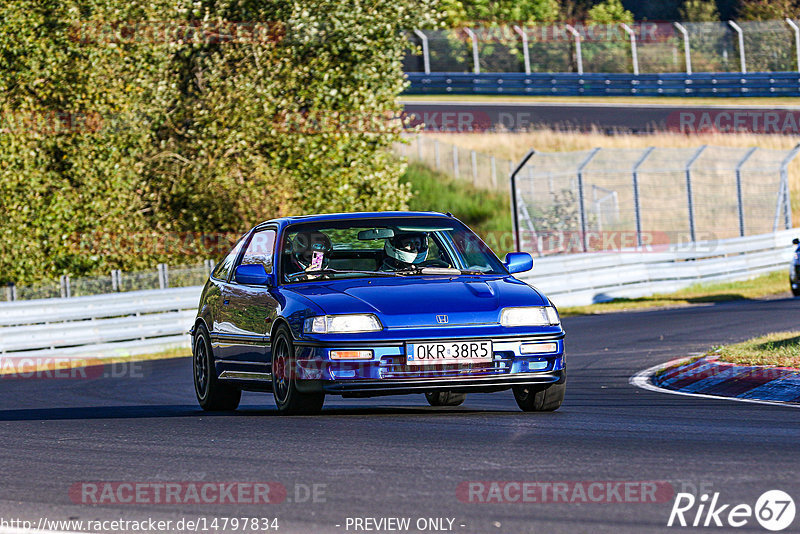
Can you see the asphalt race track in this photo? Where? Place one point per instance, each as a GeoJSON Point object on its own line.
{"type": "Point", "coordinates": [397, 457]}
{"type": "Point", "coordinates": [608, 116]}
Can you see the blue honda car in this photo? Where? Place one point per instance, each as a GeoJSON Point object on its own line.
{"type": "Point", "coordinates": [368, 304]}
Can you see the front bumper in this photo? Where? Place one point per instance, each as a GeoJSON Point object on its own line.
{"type": "Point", "coordinates": [388, 374]}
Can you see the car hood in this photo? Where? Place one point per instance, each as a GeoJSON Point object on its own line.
{"type": "Point", "coordinates": [418, 301]}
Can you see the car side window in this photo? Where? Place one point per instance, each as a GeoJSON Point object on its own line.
{"type": "Point", "coordinates": [260, 249]}
{"type": "Point", "coordinates": [223, 268]}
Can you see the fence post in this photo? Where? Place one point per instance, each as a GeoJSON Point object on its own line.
{"type": "Point", "coordinates": [514, 207]}
{"type": "Point", "coordinates": [526, 55]}
{"type": "Point", "coordinates": [419, 147]}
{"type": "Point", "coordinates": [637, 206]}
{"type": "Point", "coordinates": [455, 161]}
{"type": "Point", "coordinates": [163, 276]}
{"type": "Point", "coordinates": [581, 199]}
{"type": "Point", "coordinates": [689, 197]}
{"type": "Point", "coordinates": [116, 280]}
{"type": "Point", "coordinates": [796, 30]}
{"type": "Point", "coordinates": [209, 265]}
{"type": "Point", "coordinates": [787, 214]}
{"type": "Point", "coordinates": [493, 163]}
{"type": "Point", "coordinates": [437, 160]}
{"type": "Point", "coordinates": [473, 156]}
{"type": "Point", "coordinates": [634, 54]}
{"type": "Point", "coordinates": [742, 61]}
{"type": "Point", "coordinates": [476, 64]}
{"type": "Point", "coordinates": [739, 199]}
{"type": "Point", "coordinates": [11, 291]}
{"type": "Point", "coordinates": [686, 51]}
{"type": "Point", "coordinates": [578, 54]}
{"type": "Point", "coordinates": [65, 289]}
{"type": "Point", "coordinates": [426, 54]}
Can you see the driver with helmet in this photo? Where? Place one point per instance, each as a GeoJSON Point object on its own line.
{"type": "Point", "coordinates": [404, 250]}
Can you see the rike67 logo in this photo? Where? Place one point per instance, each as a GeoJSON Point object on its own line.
{"type": "Point", "coordinates": [774, 510]}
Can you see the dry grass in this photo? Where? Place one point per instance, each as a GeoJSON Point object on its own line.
{"type": "Point", "coordinates": [515, 145]}
{"type": "Point", "coordinates": [768, 285]}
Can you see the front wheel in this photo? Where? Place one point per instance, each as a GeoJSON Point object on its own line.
{"type": "Point", "coordinates": [795, 289]}
{"type": "Point", "coordinates": [539, 397]}
{"type": "Point", "coordinates": [445, 398]}
{"type": "Point", "coordinates": [212, 394]}
{"type": "Point", "coordinates": [288, 399]}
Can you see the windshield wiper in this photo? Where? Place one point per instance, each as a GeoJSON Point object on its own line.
{"type": "Point", "coordinates": [321, 272]}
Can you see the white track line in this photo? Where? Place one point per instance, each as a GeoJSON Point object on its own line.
{"type": "Point", "coordinates": [642, 380]}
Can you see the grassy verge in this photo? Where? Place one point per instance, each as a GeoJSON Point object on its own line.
{"type": "Point", "coordinates": [779, 348]}
{"type": "Point", "coordinates": [662, 100]}
{"type": "Point", "coordinates": [486, 212]}
{"type": "Point", "coordinates": [775, 283]}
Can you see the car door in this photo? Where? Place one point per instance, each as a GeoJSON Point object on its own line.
{"type": "Point", "coordinates": [249, 310]}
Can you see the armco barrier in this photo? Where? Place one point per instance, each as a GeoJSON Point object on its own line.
{"type": "Point", "coordinates": [757, 84]}
{"type": "Point", "coordinates": [100, 325]}
{"type": "Point", "coordinates": [150, 321]}
{"type": "Point", "coordinates": [580, 279]}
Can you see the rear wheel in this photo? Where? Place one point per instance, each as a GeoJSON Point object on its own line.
{"type": "Point", "coordinates": [212, 394]}
{"type": "Point", "coordinates": [795, 290]}
{"type": "Point", "coordinates": [445, 398]}
{"type": "Point", "coordinates": [288, 399]}
{"type": "Point", "coordinates": [539, 397]}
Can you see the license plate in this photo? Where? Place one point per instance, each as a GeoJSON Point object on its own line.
{"type": "Point", "coordinates": [448, 352]}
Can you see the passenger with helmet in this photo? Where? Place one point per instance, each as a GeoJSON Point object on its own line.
{"type": "Point", "coordinates": [404, 250]}
{"type": "Point", "coordinates": [300, 251]}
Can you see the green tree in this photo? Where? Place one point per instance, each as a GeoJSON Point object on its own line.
{"type": "Point", "coordinates": [116, 131]}
{"type": "Point", "coordinates": [699, 11]}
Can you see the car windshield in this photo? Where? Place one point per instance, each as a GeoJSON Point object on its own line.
{"type": "Point", "coordinates": [406, 246]}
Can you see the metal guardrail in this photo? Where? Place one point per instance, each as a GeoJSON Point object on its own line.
{"type": "Point", "coordinates": [756, 84]}
{"type": "Point", "coordinates": [100, 325]}
{"type": "Point", "coordinates": [581, 279]}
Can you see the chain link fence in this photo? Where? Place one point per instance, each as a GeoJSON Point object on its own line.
{"type": "Point", "coordinates": [117, 281]}
{"type": "Point", "coordinates": [481, 170]}
{"type": "Point", "coordinates": [644, 47]}
{"type": "Point", "coordinates": [605, 199]}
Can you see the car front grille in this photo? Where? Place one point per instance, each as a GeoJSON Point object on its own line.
{"type": "Point", "coordinates": [395, 367]}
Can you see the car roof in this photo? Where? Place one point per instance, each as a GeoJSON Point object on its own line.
{"type": "Point", "coordinates": [322, 217]}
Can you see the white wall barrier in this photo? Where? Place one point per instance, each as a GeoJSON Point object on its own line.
{"type": "Point", "coordinates": [115, 324]}
{"type": "Point", "coordinates": [580, 279]}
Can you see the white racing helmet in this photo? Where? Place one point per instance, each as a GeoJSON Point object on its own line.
{"type": "Point", "coordinates": [411, 247]}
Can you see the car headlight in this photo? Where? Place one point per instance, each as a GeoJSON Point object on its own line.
{"type": "Point", "coordinates": [529, 316]}
{"type": "Point", "coordinates": [342, 324]}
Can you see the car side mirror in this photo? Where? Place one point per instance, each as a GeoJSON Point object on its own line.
{"type": "Point", "coordinates": [795, 241]}
{"type": "Point", "coordinates": [518, 262]}
{"type": "Point", "coordinates": [252, 275]}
